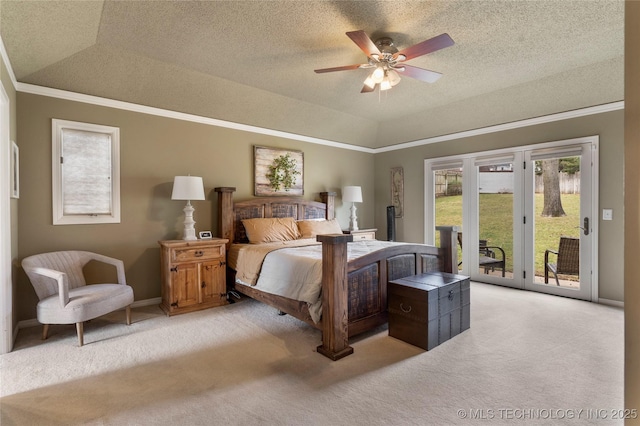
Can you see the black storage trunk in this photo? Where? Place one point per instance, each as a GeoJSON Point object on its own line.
{"type": "Point", "coordinates": [428, 309]}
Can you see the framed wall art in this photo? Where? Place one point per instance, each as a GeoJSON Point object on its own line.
{"type": "Point", "coordinates": [278, 171]}
{"type": "Point", "coordinates": [397, 190]}
{"type": "Point", "coordinates": [15, 170]}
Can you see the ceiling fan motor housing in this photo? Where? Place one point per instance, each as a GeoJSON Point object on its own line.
{"type": "Point", "coordinates": [385, 45]}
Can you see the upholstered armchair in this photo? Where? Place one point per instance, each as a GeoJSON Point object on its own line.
{"type": "Point", "coordinates": [65, 297]}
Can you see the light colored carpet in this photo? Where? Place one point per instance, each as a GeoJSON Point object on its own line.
{"type": "Point", "coordinates": [527, 356]}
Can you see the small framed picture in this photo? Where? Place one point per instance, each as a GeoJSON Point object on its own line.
{"type": "Point", "coordinates": [205, 235]}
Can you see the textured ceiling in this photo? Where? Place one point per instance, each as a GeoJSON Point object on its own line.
{"type": "Point", "coordinates": [252, 62]}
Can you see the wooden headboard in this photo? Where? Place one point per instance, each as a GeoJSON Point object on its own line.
{"type": "Point", "coordinates": [230, 213]}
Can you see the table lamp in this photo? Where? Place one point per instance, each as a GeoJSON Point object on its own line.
{"type": "Point", "coordinates": [188, 188]}
{"type": "Point", "coordinates": [352, 194]}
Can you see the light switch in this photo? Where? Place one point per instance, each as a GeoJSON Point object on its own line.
{"type": "Point", "coordinates": [607, 214]}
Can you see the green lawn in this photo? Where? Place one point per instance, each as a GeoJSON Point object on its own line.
{"type": "Point", "coordinates": [496, 222]}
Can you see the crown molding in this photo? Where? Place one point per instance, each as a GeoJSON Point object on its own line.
{"type": "Point", "coordinates": [128, 106]}
{"type": "Point", "coordinates": [7, 63]}
{"type": "Point", "coordinates": [598, 109]}
{"type": "Point", "coordinates": [95, 100]}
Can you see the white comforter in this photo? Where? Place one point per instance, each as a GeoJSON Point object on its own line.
{"type": "Point", "coordinates": [296, 272]}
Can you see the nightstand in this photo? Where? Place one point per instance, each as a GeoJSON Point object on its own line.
{"type": "Point", "coordinates": [362, 234]}
{"type": "Point", "coordinates": [193, 275]}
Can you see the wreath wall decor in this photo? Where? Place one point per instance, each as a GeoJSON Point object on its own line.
{"type": "Point", "coordinates": [397, 190]}
{"type": "Point", "coordinates": [278, 171]}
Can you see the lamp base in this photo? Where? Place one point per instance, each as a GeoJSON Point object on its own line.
{"type": "Point", "coordinates": [353, 223]}
{"type": "Point", "coordinates": [189, 223]}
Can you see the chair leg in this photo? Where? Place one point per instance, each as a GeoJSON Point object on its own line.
{"type": "Point", "coordinates": [45, 331]}
{"type": "Point", "coordinates": [80, 329]}
{"type": "Point", "coordinates": [129, 315]}
{"type": "Point", "coordinates": [557, 282]}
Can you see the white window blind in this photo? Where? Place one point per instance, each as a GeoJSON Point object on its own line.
{"type": "Point", "coordinates": [493, 160]}
{"type": "Point", "coordinates": [446, 165]}
{"type": "Point", "coordinates": [564, 152]}
{"type": "Point", "coordinates": [85, 173]}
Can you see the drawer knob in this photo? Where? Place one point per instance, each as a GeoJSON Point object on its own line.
{"type": "Point", "coordinates": [199, 253]}
{"type": "Point", "coordinates": [450, 297]}
{"type": "Point", "coordinates": [406, 311]}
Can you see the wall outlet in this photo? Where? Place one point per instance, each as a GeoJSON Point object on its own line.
{"type": "Point", "coordinates": [607, 214]}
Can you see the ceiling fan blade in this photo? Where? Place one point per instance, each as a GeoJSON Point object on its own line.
{"type": "Point", "coordinates": [419, 73]}
{"type": "Point", "coordinates": [427, 46]}
{"type": "Point", "coordinates": [366, 88]}
{"type": "Point", "coordinates": [364, 42]}
{"type": "Point", "coordinates": [344, 68]}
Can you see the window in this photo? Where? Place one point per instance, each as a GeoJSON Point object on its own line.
{"type": "Point", "coordinates": [86, 173]}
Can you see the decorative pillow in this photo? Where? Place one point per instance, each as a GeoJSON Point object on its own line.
{"type": "Point", "coordinates": [311, 228]}
{"type": "Point", "coordinates": [269, 230]}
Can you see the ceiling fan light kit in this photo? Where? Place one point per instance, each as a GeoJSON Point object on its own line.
{"type": "Point", "coordinates": [388, 62]}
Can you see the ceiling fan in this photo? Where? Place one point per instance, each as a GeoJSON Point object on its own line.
{"type": "Point", "coordinates": [388, 63]}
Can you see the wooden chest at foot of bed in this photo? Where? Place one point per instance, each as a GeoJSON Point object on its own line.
{"type": "Point", "coordinates": [428, 309]}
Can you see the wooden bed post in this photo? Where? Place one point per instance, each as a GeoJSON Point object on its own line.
{"type": "Point", "coordinates": [329, 198]}
{"type": "Point", "coordinates": [449, 244]}
{"type": "Point", "coordinates": [335, 296]}
{"type": "Point", "coordinates": [225, 213]}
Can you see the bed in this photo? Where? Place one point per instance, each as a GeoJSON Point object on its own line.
{"type": "Point", "coordinates": [354, 292]}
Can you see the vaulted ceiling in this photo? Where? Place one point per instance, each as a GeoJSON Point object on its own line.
{"type": "Point", "coordinates": [252, 62]}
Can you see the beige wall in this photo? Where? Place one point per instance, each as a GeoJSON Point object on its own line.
{"type": "Point", "coordinates": [154, 150]}
{"type": "Point", "coordinates": [609, 126]}
{"type": "Point", "coordinates": [632, 208]}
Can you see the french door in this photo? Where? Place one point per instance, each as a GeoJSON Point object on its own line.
{"type": "Point", "coordinates": [514, 208]}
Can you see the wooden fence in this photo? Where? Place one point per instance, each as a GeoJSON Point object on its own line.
{"type": "Point", "coordinates": [569, 184]}
{"type": "Point", "coordinates": [449, 182]}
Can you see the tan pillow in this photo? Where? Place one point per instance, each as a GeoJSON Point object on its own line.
{"type": "Point", "coordinates": [311, 228]}
{"type": "Point", "coordinates": [269, 230]}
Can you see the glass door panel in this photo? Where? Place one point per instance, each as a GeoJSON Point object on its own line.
{"type": "Point", "coordinates": [559, 238]}
{"type": "Point", "coordinates": [557, 216]}
{"type": "Point", "coordinates": [495, 220]}
{"type": "Point", "coordinates": [448, 201]}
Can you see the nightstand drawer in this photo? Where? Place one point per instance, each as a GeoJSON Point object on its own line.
{"type": "Point", "coordinates": [362, 234]}
{"type": "Point", "coordinates": [197, 253]}
{"type": "Point", "coordinates": [359, 236]}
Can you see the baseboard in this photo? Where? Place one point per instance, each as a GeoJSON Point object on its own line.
{"type": "Point", "coordinates": [34, 322]}
{"type": "Point", "coordinates": [15, 332]}
{"type": "Point", "coordinates": [28, 323]}
{"type": "Point", "coordinates": [146, 302]}
{"type": "Point", "coordinates": [610, 302]}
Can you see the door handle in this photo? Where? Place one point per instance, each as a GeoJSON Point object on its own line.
{"type": "Point", "coordinates": [585, 228]}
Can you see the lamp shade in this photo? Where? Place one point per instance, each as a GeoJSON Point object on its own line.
{"type": "Point", "coordinates": [352, 194]}
{"type": "Point", "coordinates": [187, 188]}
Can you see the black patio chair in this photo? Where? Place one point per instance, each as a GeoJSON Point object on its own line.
{"type": "Point", "coordinates": [487, 259]}
{"type": "Point", "coordinates": [567, 259]}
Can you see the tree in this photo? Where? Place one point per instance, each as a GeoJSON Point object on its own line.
{"type": "Point", "coordinates": [551, 181]}
{"type": "Point", "coordinates": [570, 165]}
